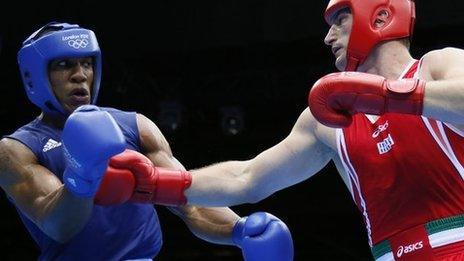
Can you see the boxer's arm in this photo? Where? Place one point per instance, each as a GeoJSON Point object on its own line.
{"type": "Point", "coordinates": [214, 225]}
{"type": "Point", "coordinates": [40, 194]}
{"type": "Point", "coordinates": [299, 156]}
{"type": "Point", "coordinates": [444, 93]}
{"type": "Point", "coordinates": [211, 224]}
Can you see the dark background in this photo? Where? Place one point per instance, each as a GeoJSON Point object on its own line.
{"type": "Point", "coordinates": [193, 64]}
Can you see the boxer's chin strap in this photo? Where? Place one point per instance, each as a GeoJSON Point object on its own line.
{"type": "Point", "coordinates": [352, 64]}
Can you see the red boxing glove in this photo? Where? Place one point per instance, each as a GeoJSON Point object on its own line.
{"type": "Point", "coordinates": [116, 187]}
{"type": "Point", "coordinates": [337, 96]}
{"type": "Point", "coordinates": [152, 185]}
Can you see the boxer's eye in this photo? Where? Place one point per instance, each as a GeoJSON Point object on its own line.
{"type": "Point", "coordinates": [341, 19]}
{"type": "Point", "coordinates": [87, 64]}
{"type": "Point", "coordinates": [61, 64]}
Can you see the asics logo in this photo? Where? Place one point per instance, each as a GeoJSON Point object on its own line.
{"type": "Point", "coordinates": [78, 43]}
{"type": "Point", "coordinates": [409, 248]}
{"type": "Point", "coordinates": [379, 129]}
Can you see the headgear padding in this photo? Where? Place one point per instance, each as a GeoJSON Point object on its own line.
{"type": "Point", "coordinates": [53, 41]}
{"type": "Point", "coordinates": [364, 36]}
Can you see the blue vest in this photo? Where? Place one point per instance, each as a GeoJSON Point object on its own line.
{"type": "Point", "coordinates": [121, 232]}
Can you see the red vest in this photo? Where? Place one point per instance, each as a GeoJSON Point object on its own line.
{"type": "Point", "coordinates": [404, 170]}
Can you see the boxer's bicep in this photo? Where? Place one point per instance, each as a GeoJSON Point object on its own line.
{"type": "Point", "coordinates": [443, 64]}
{"type": "Point", "coordinates": [299, 156]}
{"type": "Point", "coordinates": [154, 145]}
{"type": "Point", "coordinates": [444, 71]}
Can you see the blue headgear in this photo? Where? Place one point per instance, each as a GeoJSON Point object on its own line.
{"type": "Point", "coordinates": [61, 40]}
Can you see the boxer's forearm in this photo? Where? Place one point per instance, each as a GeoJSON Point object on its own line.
{"type": "Point", "coordinates": [296, 158]}
{"type": "Point", "coordinates": [223, 184]}
{"type": "Point", "coordinates": [61, 215]}
{"type": "Point", "coordinates": [214, 225]}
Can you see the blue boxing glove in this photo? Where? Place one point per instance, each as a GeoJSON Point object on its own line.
{"type": "Point", "coordinates": [90, 138]}
{"type": "Point", "coordinates": [262, 236]}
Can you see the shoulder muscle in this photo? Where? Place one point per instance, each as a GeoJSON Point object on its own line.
{"type": "Point", "coordinates": [446, 63]}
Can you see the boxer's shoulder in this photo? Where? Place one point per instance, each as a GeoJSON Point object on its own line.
{"type": "Point", "coordinates": [119, 114]}
{"type": "Point", "coordinates": [437, 63]}
{"type": "Point", "coordinates": [13, 147]}
{"type": "Point", "coordinates": [14, 155]}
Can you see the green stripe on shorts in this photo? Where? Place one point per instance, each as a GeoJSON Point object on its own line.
{"type": "Point", "coordinates": [443, 224]}
{"type": "Point", "coordinates": [381, 249]}
{"type": "Point", "coordinates": [432, 227]}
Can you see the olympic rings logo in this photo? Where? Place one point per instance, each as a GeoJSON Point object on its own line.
{"type": "Point", "coordinates": [78, 43]}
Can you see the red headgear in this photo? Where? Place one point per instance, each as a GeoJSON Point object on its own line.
{"type": "Point", "coordinates": [364, 36]}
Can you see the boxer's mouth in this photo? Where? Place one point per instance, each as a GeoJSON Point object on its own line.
{"type": "Point", "coordinates": [335, 49]}
{"type": "Point", "coordinates": [79, 96]}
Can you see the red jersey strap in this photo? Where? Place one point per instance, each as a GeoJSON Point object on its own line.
{"type": "Point", "coordinates": [412, 70]}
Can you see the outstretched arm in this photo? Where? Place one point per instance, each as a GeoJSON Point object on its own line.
{"type": "Point", "coordinates": [133, 175]}
{"type": "Point", "coordinates": [211, 224]}
{"type": "Point", "coordinates": [299, 156]}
